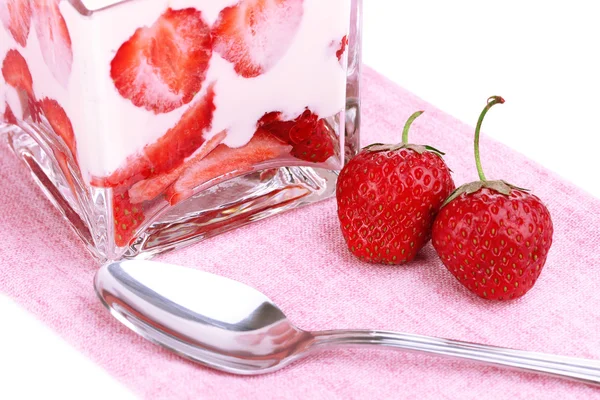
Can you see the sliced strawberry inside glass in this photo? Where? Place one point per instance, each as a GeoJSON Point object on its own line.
{"type": "Point", "coordinates": [60, 123]}
{"type": "Point", "coordinates": [63, 163]}
{"type": "Point", "coordinates": [127, 218]}
{"type": "Point", "coordinates": [16, 73]}
{"type": "Point", "coordinates": [342, 49]}
{"type": "Point", "coordinates": [170, 151]}
{"type": "Point", "coordinates": [255, 34]}
{"type": "Point", "coordinates": [9, 116]}
{"type": "Point", "coordinates": [162, 67]}
{"type": "Point", "coordinates": [16, 18]}
{"type": "Point", "coordinates": [54, 38]}
{"type": "Point", "coordinates": [310, 136]}
{"type": "Point", "coordinates": [150, 189]}
{"type": "Point", "coordinates": [226, 163]}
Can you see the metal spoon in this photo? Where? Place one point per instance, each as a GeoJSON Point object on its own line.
{"type": "Point", "coordinates": [232, 327]}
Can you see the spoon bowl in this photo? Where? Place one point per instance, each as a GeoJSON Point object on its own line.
{"type": "Point", "coordinates": [229, 326]}
{"type": "Point", "coordinates": [209, 319]}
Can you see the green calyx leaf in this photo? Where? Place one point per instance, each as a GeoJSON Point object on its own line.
{"type": "Point", "coordinates": [377, 147]}
{"type": "Point", "coordinates": [501, 187]}
{"type": "Point", "coordinates": [434, 150]}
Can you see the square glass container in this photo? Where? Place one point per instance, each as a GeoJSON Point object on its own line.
{"type": "Point", "coordinates": [152, 124]}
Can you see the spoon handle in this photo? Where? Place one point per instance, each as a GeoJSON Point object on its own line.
{"type": "Point", "coordinates": [578, 369]}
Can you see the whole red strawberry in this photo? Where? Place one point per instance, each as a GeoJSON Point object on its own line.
{"type": "Point", "coordinates": [492, 236]}
{"type": "Point", "coordinates": [388, 196]}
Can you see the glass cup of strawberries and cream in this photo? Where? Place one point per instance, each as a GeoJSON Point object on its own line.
{"type": "Point", "coordinates": [152, 124]}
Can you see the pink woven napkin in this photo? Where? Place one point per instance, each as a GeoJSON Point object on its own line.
{"type": "Point", "coordinates": [299, 259]}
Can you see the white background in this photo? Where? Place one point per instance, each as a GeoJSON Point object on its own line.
{"type": "Point", "coordinates": [542, 56]}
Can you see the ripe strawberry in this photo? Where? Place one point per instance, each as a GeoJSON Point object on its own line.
{"type": "Point", "coordinates": [127, 218]}
{"type": "Point", "coordinates": [226, 163]}
{"type": "Point", "coordinates": [16, 18]}
{"type": "Point", "coordinates": [388, 196]}
{"type": "Point", "coordinates": [55, 40]}
{"type": "Point", "coordinates": [492, 236]}
{"type": "Point", "coordinates": [60, 123]}
{"type": "Point", "coordinates": [255, 34]}
{"type": "Point", "coordinates": [16, 73]}
{"type": "Point", "coordinates": [308, 135]}
{"type": "Point", "coordinates": [170, 151]}
{"type": "Point", "coordinates": [318, 147]}
{"type": "Point", "coordinates": [162, 67]}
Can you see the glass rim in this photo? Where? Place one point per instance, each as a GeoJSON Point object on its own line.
{"type": "Point", "coordinates": [86, 9]}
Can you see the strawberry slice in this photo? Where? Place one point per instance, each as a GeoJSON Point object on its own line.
{"type": "Point", "coordinates": [127, 218]}
{"type": "Point", "coordinates": [342, 49]}
{"type": "Point", "coordinates": [170, 151]}
{"type": "Point", "coordinates": [16, 73]}
{"type": "Point", "coordinates": [16, 18]}
{"type": "Point", "coordinates": [150, 189]}
{"type": "Point", "coordinates": [60, 123]}
{"type": "Point", "coordinates": [54, 38]}
{"type": "Point", "coordinates": [9, 116]}
{"type": "Point", "coordinates": [255, 34]}
{"type": "Point", "coordinates": [310, 136]}
{"type": "Point", "coordinates": [63, 163]}
{"type": "Point", "coordinates": [226, 163]}
{"type": "Point", "coordinates": [162, 67]}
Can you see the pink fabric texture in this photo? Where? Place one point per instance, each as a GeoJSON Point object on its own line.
{"type": "Point", "coordinates": [300, 260]}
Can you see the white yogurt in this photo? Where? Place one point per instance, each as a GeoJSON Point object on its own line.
{"type": "Point", "coordinates": [109, 128]}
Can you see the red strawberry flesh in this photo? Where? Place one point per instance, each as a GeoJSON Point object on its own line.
{"type": "Point", "coordinates": [16, 73]}
{"type": "Point", "coordinates": [255, 34]}
{"type": "Point", "coordinates": [150, 189]}
{"type": "Point", "coordinates": [60, 123]}
{"type": "Point", "coordinates": [343, 44]}
{"type": "Point", "coordinates": [170, 151]}
{"type": "Point", "coordinates": [16, 18]}
{"type": "Point", "coordinates": [162, 67]}
{"type": "Point", "coordinates": [224, 163]}
{"type": "Point", "coordinates": [9, 116]}
{"type": "Point", "coordinates": [55, 40]}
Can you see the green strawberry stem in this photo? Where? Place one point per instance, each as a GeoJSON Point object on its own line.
{"type": "Point", "coordinates": [492, 101]}
{"type": "Point", "coordinates": [408, 125]}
